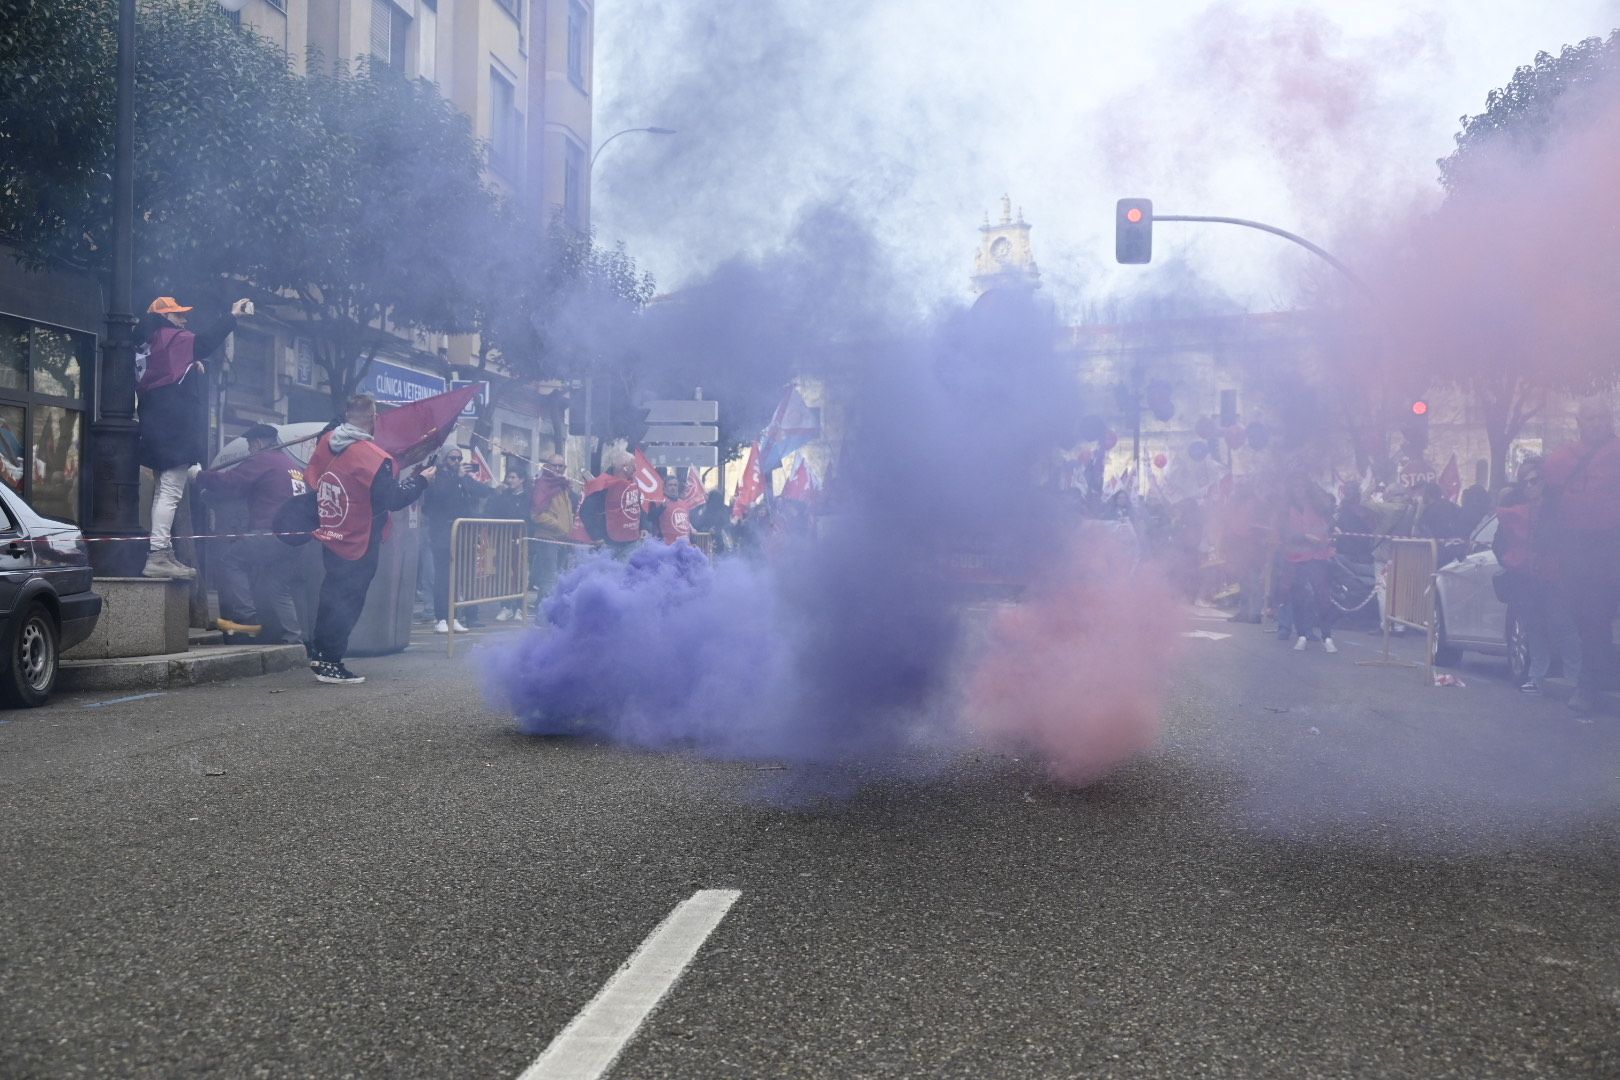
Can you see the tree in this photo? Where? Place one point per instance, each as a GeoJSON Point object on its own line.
{"type": "Point", "coordinates": [226, 142]}
{"type": "Point", "coordinates": [1508, 289]}
{"type": "Point", "coordinates": [395, 235]}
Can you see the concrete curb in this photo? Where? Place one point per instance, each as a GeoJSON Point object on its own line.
{"type": "Point", "coordinates": [204, 665]}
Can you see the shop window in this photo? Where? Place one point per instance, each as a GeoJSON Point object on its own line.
{"type": "Point", "coordinates": [13, 354]}
{"type": "Point", "coordinates": [56, 462]}
{"type": "Point", "coordinates": [13, 462]}
{"type": "Point", "coordinates": [58, 362]}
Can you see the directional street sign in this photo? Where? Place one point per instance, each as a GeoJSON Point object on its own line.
{"type": "Point", "coordinates": [683, 412]}
{"type": "Point", "coordinates": [681, 457]}
{"type": "Point", "coordinates": [681, 434]}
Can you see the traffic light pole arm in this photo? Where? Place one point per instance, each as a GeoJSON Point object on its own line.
{"type": "Point", "coordinates": [1284, 233]}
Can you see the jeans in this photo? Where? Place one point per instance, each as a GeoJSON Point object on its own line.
{"type": "Point", "coordinates": [168, 489]}
{"type": "Point", "coordinates": [1311, 597]}
{"type": "Point", "coordinates": [343, 596]}
{"type": "Point", "coordinates": [1549, 629]}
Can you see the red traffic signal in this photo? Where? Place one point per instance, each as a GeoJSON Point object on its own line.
{"type": "Point", "coordinates": [1133, 230]}
{"type": "Point", "coordinates": [1420, 408]}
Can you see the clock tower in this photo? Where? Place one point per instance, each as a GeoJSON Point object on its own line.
{"type": "Point", "coordinates": [1005, 258]}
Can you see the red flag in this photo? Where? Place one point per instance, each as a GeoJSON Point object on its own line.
{"type": "Point", "coordinates": [483, 473]}
{"type": "Point", "coordinates": [648, 479]}
{"type": "Point", "coordinates": [676, 520]}
{"type": "Point", "coordinates": [802, 485]}
{"type": "Point", "coordinates": [1451, 480]}
{"type": "Point", "coordinates": [411, 432]}
{"type": "Point", "coordinates": [752, 486]}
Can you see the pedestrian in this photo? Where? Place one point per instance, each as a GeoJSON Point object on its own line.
{"type": "Point", "coordinates": [259, 565]}
{"type": "Point", "coordinates": [510, 502]}
{"type": "Point", "coordinates": [1528, 581]}
{"type": "Point", "coordinates": [714, 519]}
{"type": "Point", "coordinates": [1308, 552]}
{"type": "Point", "coordinates": [1476, 499]}
{"type": "Point", "coordinates": [173, 415]}
{"type": "Point", "coordinates": [611, 509]}
{"type": "Point", "coordinates": [355, 491]}
{"type": "Point", "coordinates": [1441, 519]}
{"type": "Point", "coordinates": [1583, 480]}
{"type": "Point", "coordinates": [1243, 549]}
{"type": "Point", "coordinates": [551, 509]}
{"type": "Point", "coordinates": [453, 494]}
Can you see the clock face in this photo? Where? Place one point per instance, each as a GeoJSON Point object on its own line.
{"type": "Point", "coordinates": [1001, 250]}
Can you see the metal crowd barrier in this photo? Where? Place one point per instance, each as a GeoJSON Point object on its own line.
{"type": "Point", "coordinates": [1409, 596]}
{"type": "Point", "coordinates": [488, 564]}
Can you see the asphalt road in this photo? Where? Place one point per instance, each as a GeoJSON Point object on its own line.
{"type": "Point", "coordinates": [1323, 870]}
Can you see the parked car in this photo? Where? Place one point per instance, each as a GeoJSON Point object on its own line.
{"type": "Point", "coordinates": [1469, 616]}
{"type": "Point", "coordinates": [46, 602]}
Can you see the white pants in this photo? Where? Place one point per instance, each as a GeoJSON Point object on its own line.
{"type": "Point", "coordinates": [167, 490]}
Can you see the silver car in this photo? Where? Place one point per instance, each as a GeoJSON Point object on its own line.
{"type": "Point", "coordinates": [46, 604]}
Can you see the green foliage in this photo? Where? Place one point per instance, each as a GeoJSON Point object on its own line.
{"type": "Point", "coordinates": [1540, 99]}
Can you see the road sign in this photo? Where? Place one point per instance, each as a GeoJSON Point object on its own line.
{"type": "Point", "coordinates": [683, 412]}
{"type": "Point", "coordinates": [681, 433]}
{"type": "Point", "coordinates": [681, 457]}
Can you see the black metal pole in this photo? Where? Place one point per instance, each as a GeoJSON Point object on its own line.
{"type": "Point", "coordinates": [115, 477]}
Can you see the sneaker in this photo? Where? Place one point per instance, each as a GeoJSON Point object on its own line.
{"type": "Point", "coordinates": [334, 672]}
{"type": "Point", "coordinates": [441, 627]}
{"type": "Point", "coordinates": [504, 616]}
{"type": "Point", "coordinates": [459, 628]}
{"type": "Point", "coordinates": [1327, 645]}
{"type": "Point", "coordinates": [1530, 687]}
{"type": "Point", "coordinates": [163, 564]}
{"type": "Point", "coordinates": [231, 626]}
{"type": "Point", "coordinates": [1300, 643]}
{"type": "Point", "coordinates": [314, 661]}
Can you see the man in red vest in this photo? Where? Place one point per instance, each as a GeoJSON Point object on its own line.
{"type": "Point", "coordinates": [1584, 478]}
{"type": "Point", "coordinates": [355, 490]}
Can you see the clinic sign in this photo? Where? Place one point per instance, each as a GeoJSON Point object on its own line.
{"type": "Point", "coordinates": [397, 385]}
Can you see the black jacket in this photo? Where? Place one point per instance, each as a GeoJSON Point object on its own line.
{"type": "Point", "coordinates": [174, 418]}
{"type": "Point", "coordinates": [450, 496]}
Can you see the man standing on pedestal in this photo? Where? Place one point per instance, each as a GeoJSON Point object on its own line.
{"type": "Point", "coordinates": [173, 414]}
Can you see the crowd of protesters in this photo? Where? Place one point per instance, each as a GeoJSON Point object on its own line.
{"type": "Point", "coordinates": [1310, 556]}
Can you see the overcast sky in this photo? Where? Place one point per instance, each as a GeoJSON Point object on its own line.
{"type": "Point", "coordinates": [914, 116]}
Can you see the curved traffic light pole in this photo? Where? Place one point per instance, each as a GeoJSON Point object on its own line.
{"type": "Point", "coordinates": [1284, 233]}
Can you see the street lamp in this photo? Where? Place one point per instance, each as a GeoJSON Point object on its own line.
{"type": "Point", "coordinates": [627, 131]}
{"type": "Point", "coordinates": [114, 435]}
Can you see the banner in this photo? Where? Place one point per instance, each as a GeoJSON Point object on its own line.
{"type": "Point", "coordinates": [793, 425]}
{"type": "Point", "coordinates": [802, 484]}
{"type": "Point", "coordinates": [413, 431]}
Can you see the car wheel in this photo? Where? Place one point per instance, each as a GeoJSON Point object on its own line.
{"type": "Point", "coordinates": [1445, 654]}
{"type": "Point", "coordinates": [33, 659]}
{"type": "Point", "coordinates": [1518, 651]}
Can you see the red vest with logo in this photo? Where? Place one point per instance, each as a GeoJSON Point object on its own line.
{"type": "Point", "coordinates": [623, 511]}
{"type": "Point", "coordinates": [342, 487]}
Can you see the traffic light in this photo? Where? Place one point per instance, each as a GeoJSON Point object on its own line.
{"type": "Point", "coordinates": [1415, 427]}
{"type": "Point", "coordinates": [1133, 230]}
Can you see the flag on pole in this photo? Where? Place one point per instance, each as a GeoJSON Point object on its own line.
{"type": "Point", "coordinates": [751, 487]}
{"type": "Point", "coordinates": [793, 425]}
{"type": "Point", "coordinates": [412, 431]}
{"type": "Point", "coordinates": [482, 472]}
{"type": "Point", "coordinates": [649, 481]}
{"type": "Point", "coordinates": [802, 484]}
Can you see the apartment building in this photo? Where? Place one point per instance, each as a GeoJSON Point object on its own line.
{"type": "Point", "coordinates": [521, 69]}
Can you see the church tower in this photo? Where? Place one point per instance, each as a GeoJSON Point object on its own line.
{"type": "Point", "coordinates": [1005, 258]}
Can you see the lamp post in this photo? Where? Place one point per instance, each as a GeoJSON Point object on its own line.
{"type": "Point", "coordinates": [115, 476]}
{"type": "Point", "coordinates": [627, 131]}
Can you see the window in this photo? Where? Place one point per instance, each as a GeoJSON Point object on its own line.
{"type": "Point", "coordinates": [578, 44]}
{"type": "Point", "coordinates": [574, 184]}
{"type": "Point", "coordinates": [389, 28]}
{"type": "Point", "coordinates": [505, 125]}
{"type": "Point", "coordinates": [513, 8]}
{"type": "Point", "coordinates": [42, 413]}
{"type": "Point", "coordinates": [252, 370]}
{"type": "Point", "coordinates": [427, 40]}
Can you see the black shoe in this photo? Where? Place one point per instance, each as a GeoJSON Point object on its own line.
{"type": "Point", "coordinates": [334, 672]}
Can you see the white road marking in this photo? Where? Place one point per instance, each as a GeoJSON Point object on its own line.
{"type": "Point", "coordinates": [594, 1039]}
{"type": "Point", "coordinates": [122, 700]}
{"type": "Point", "coordinates": [1207, 635]}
